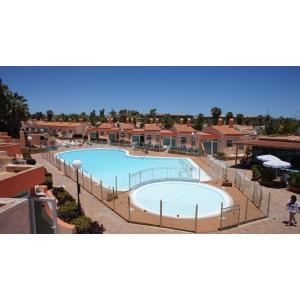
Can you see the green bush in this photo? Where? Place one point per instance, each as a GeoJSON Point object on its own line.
{"type": "Point", "coordinates": [48, 182]}
{"type": "Point", "coordinates": [294, 180]}
{"type": "Point", "coordinates": [268, 174]}
{"type": "Point", "coordinates": [82, 224]}
{"type": "Point", "coordinates": [221, 155]}
{"type": "Point", "coordinates": [62, 196]}
{"type": "Point", "coordinates": [256, 171]}
{"type": "Point", "coordinates": [96, 228]}
{"type": "Point", "coordinates": [68, 212]}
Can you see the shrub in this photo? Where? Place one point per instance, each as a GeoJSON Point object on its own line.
{"type": "Point", "coordinates": [48, 182]}
{"type": "Point", "coordinates": [256, 171]}
{"type": "Point", "coordinates": [30, 161]}
{"type": "Point", "coordinates": [268, 174]}
{"type": "Point", "coordinates": [96, 228]}
{"type": "Point", "coordinates": [221, 155]}
{"type": "Point", "coordinates": [63, 197]}
{"type": "Point", "coordinates": [82, 224]}
{"type": "Point", "coordinates": [68, 211]}
{"type": "Point", "coordinates": [294, 180]}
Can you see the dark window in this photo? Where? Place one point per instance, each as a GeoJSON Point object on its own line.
{"type": "Point", "coordinates": [157, 139]}
{"type": "Point", "coordinates": [122, 134]}
{"type": "Point", "coordinates": [183, 140]}
{"type": "Point", "coordinates": [229, 143]}
{"type": "Point", "coordinates": [149, 137]}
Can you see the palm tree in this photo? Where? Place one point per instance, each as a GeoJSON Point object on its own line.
{"type": "Point", "coordinates": [216, 113]}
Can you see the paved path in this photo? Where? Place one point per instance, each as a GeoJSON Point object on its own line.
{"type": "Point", "coordinates": [95, 209]}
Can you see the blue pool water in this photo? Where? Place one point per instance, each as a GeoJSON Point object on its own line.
{"type": "Point", "coordinates": [105, 164]}
{"type": "Point", "coordinates": [180, 198]}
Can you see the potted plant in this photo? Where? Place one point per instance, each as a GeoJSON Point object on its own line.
{"type": "Point", "coordinates": [268, 175]}
{"type": "Point", "coordinates": [294, 182]}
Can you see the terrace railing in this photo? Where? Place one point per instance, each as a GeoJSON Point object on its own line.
{"type": "Point", "coordinates": [186, 173]}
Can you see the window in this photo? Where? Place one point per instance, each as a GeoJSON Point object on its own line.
{"type": "Point", "coordinates": [193, 140]}
{"type": "Point", "coordinates": [70, 131]}
{"type": "Point", "coordinates": [149, 137]}
{"type": "Point", "coordinates": [229, 143]}
{"type": "Point", "coordinates": [157, 139]}
{"type": "Point", "coordinates": [241, 147]}
{"type": "Point", "coordinates": [122, 134]}
{"type": "Point", "coordinates": [102, 133]}
{"type": "Point", "coordinates": [183, 140]}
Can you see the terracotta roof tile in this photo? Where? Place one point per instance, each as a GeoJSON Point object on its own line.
{"type": "Point", "coordinates": [152, 127]}
{"type": "Point", "coordinates": [225, 129]}
{"type": "Point", "coordinates": [183, 128]}
{"type": "Point", "coordinates": [271, 144]}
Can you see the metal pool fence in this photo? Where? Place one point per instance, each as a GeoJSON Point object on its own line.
{"type": "Point", "coordinates": [121, 203]}
{"type": "Point", "coordinates": [256, 195]}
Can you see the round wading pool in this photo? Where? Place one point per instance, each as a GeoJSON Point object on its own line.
{"type": "Point", "coordinates": [179, 199]}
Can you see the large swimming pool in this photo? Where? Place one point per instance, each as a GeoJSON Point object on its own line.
{"type": "Point", "coordinates": [106, 164]}
{"type": "Point", "coordinates": [179, 199]}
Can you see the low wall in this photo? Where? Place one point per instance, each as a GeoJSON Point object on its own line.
{"type": "Point", "coordinates": [22, 181]}
{"type": "Point", "coordinates": [11, 149]}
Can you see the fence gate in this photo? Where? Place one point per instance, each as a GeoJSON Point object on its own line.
{"type": "Point", "coordinates": [230, 216]}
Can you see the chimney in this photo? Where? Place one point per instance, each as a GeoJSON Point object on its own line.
{"type": "Point", "coordinates": [189, 122]}
{"type": "Point", "coordinates": [151, 120]}
{"type": "Point", "coordinates": [181, 121]}
{"type": "Point", "coordinates": [127, 120]}
{"type": "Point", "coordinates": [231, 122]}
{"type": "Point", "coordinates": [220, 122]}
{"type": "Point", "coordinates": [156, 121]}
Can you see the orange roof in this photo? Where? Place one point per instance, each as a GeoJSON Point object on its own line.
{"type": "Point", "coordinates": [106, 126]}
{"type": "Point", "coordinates": [126, 126]}
{"type": "Point", "coordinates": [152, 127]}
{"type": "Point", "coordinates": [180, 128]}
{"type": "Point", "coordinates": [205, 135]}
{"type": "Point", "coordinates": [166, 132]}
{"type": "Point", "coordinates": [225, 129]}
{"type": "Point", "coordinates": [56, 124]}
{"type": "Point", "coordinates": [137, 130]}
{"type": "Point", "coordinates": [270, 144]}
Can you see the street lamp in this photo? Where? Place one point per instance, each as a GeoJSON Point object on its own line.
{"type": "Point", "coordinates": [29, 138]}
{"type": "Point", "coordinates": [76, 165]}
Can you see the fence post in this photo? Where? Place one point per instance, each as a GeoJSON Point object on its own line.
{"type": "Point", "coordinates": [246, 210]}
{"type": "Point", "coordinates": [70, 170]}
{"type": "Point", "coordinates": [82, 177]}
{"type": "Point", "coordinates": [160, 213]}
{"type": "Point", "coordinates": [116, 181]}
{"type": "Point", "coordinates": [221, 217]}
{"type": "Point", "coordinates": [129, 215]}
{"type": "Point", "coordinates": [129, 181]}
{"type": "Point", "coordinates": [253, 194]}
{"type": "Point", "coordinates": [269, 200]}
{"type": "Point", "coordinates": [199, 174]}
{"type": "Point", "coordinates": [101, 191]}
{"type": "Point", "coordinates": [113, 195]}
{"type": "Point", "coordinates": [91, 180]}
{"type": "Point", "coordinates": [196, 218]}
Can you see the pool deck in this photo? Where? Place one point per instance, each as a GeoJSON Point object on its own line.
{"type": "Point", "coordinates": [116, 224]}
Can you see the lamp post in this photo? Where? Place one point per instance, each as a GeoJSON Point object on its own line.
{"type": "Point", "coordinates": [29, 138]}
{"type": "Point", "coordinates": [76, 164]}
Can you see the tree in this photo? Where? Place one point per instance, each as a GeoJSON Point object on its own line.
{"type": "Point", "coordinates": [229, 115]}
{"type": "Point", "coordinates": [113, 115]}
{"type": "Point", "coordinates": [216, 113]}
{"type": "Point", "coordinates": [240, 119]}
{"type": "Point", "coordinates": [13, 110]}
{"type": "Point", "coordinates": [102, 117]}
{"type": "Point", "coordinates": [122, 115]}
{"type": "Point", "coordinates": [167, 122]}
{"type": "Point", "coordinates": [38, 116]}
{"type": "Point", "coordinates": [199, 122]}
{"type": "Point", "coordinates": [50, 115]}
{"type": "Point", "coordinates": [93, 117]}
{"type": "Point", "coordinates": [152, 113]}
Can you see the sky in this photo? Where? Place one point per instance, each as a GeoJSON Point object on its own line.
{"type": "Point", "coordinates": [176, 90]}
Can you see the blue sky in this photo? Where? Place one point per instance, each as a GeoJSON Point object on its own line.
{"type": "Point", "coordinates": [191, 90]}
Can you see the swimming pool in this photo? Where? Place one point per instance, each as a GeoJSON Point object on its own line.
{"type": "Point", "coordinates": [180, 199]}
{"type": "Point", "coordinates": [105, 164]}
